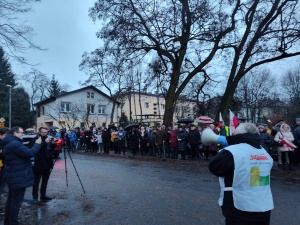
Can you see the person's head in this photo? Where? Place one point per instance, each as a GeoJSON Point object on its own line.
{"type": "Point", "coordinates": [211, 126]}
{"type": "Point", "coordinates": [246, 128]}
{"type": "Point", "coordinates": [281, 122]}
{"type": "Point", "coordinates": [285, 127]}
{"type": "Point", "coordinates": [17, 131]}
{"type": "Point", "coordinates": [3, 132]}
{"type": "Point", "coordinates": [158, 127]}
{"type": "Point", "coordinates": [120, 128]}
{"type": "Point", "coordinates": [200, 128]}
{"type": "Point", "coordinates": [192, 127]}
{"type": "Point", "coordinates": [261, 128]}
{"type": "Point", "coordinates": [174, 128]}
{"type": "Point", "coordinates": [142, 128]}
{"type": "Point", "coordinates": [43, 131]}
{"type": "Point", "coordinates": [298, 121]}
{"type": "Point", "coordinates": [221, 124]}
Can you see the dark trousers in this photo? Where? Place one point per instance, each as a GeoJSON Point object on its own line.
{"type": "Point", "coordinates": [121, 146]}
{"type": "Point", "coordinates": [12, 207]}
{"type": "Point", "coordinates": [230, 222]}
{"type": "Point", "coordinates": [290, 155]}
{"type": "Point", "coordinates": [38, 175]}
{"type": "Point", "coordinates": [106, 147]}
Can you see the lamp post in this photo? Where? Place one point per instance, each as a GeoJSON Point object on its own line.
{"type": "Point", "coordinates": [9, 116]}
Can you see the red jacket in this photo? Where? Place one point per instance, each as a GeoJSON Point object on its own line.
{"type": "Point", "coordinates": [173, 139]}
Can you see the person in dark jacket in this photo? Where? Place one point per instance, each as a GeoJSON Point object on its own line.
{"type": "Point", "coordinates": [182, 142]}
{"type": "Point", "coordinates": [244, 170]}
{"type": "Point", "coordinates": [134, 140]}
{"type": "Point", "coordinates": [161, 140]}
{"type": "Point", "coordinates": [43, 163]}
{"type": "Point", "coordinates": [193, 138]}
{"type": "Point", "coordinates": [106, 140]}
{"type": "Point", "coordinates": [265, 138]}
{"type": "Point", "coordinates": [18, 171]}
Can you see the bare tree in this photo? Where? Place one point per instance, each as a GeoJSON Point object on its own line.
{"type": "Point", "coordinates": [254, 91]}
{"type": "Point", "coordinates": [290, 84]}
{"type": "Point", "coordinates": [185, 35]}
{"type": "Point", "coordinates": [37, 84]}
{"type": "Point", "coordinates": [104, 72]}
{"type": "Point", "coordinates": [266, 31]}
{"type": "Point", "coordinates": [15, 34]}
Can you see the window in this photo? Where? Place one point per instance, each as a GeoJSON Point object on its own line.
{"type": "Point", "coordinates": [82, 124]}
{"type": "Point", "coordinates": [38, 111]}
{"type": "Point", "coordinates": [146, 104]}
{"type": "Point", "coordinates": [90, 108]}
{"type": "Point", "coordinates": [88, 94]}
{"type": "Point", "coordinates": [101, 109]}
{"type": "Point", "coordinates": [65, 107]}
{"type": "Point", "coordinates": [162, 106]}
{"type": "Point", "coordinates": [43, 110]}
{"type": "Point", "coordinates": [92, 94]}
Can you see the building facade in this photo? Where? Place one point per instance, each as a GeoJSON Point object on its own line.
{"type": "Point", "coordinates": [148, 108]}
{"type": "Point", "coordinates": [83, 107]}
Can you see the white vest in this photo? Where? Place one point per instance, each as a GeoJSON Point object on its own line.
{"type": "Point", "coordinates": [251, 180]}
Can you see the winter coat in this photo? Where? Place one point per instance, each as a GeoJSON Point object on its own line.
{"type": "Point", "coordinates": [265, 140]}
{"type": "Point", "coordinates": [182, 140]}
{"type": "Point", "coordinates": [134, 139]}
{"type": "Point", "coordinates": [173, 139]}
{"type": "Point", "coordinates": [121, 134]}
{"type": "Point", "coordinates": [43, 160]}
{"type": "Point", "coordinates": [284, 135]}
{"type": "Point", "coordinates": [193, 137]}
{"type": "Point", "coordinates": [144, 137]}
{"type": "Point", "coordinates": [161, 136]}
{"type": "Point", "coordinates": [18, 171]}
{"type": "Point", "coordinates": [72, 136]}
{"type": "Point", "coordinates": [296, 133]}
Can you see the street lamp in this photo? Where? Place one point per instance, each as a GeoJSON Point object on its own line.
{"type": "Point", "coordinates": [9, 124]}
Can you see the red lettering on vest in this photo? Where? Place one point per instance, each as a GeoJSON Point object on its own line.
{"type": "Point", "coordinates": [259, 157]}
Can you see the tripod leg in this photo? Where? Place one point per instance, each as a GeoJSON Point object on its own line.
{"type": "Point", "coordinates": [66, 165]}
{"type": "Point", "coordinates": [76, 171]}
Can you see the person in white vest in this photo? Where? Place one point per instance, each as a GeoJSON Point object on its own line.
{"type": "Point", "coordinates": [243, 168]}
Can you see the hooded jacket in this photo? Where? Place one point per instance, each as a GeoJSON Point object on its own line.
{"type": "Point", "coordinates": [282, 134]}
{"type": "Point", "coordinates": [18, 168]}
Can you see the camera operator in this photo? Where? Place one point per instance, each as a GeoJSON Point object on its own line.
{"type": "Point", "coordinates": [43, 163]}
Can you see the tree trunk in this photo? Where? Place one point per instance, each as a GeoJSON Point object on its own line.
{"type": "Point", "coordinates": [171, 98]}
{"type": "Point", "coordinates": [226, 100]}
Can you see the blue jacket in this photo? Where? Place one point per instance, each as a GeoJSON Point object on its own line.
{"type": "Point", "coordinates": [72, 136]}
{"type": "Point", "coordinates": [18, 168]}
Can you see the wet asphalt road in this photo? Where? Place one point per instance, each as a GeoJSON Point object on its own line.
{"type": "Point", "coordinates": [123, 190]}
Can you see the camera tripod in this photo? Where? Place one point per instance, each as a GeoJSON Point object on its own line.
{"type": "Point", "coordinates": [65, 156]}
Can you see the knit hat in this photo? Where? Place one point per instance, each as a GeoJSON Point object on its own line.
{"type": "Point", "coordinates": [261, 126]}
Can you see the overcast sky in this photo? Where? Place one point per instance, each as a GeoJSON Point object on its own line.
{"type": "Point", "coordinates": [64, 28]}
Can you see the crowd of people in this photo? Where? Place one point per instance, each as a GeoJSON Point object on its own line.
{"type": "Point", "coordinates": [177, 142]}
{"type": "Point", "coordinates": [180, 141]}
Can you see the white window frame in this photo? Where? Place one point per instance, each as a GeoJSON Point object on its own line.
{"type": "Point", "coordinates": [65, 106]}
{"type": "Point", "coordinates": [101, 109]}
{"type": "Point", "coordinates": [90, 108]}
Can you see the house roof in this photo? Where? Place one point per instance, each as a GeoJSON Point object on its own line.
{"type": "Point", "coordinates": [64, 93]}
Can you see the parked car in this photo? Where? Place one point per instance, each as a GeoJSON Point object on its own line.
{"type": "Point", "coordinates": [58, 143]}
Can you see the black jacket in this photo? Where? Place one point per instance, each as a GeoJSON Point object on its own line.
{"type": "Point", "coordinates": [43, 160]}
{"type": "Point", "coordinates": [193, 137]}
{"type": "Point", "coordinates": [223, 166]}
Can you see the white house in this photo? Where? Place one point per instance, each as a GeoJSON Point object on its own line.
{"type": "Point", "coordinates": [83, 107]}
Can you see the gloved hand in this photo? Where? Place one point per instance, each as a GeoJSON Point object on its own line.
{"type": "Point", "coordinates": [222, 141]}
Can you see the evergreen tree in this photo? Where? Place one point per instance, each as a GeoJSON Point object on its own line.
{"type": "Point", "coordinates": [123, 121]}
{"type": "Point", "coordinates": [54, 89]}
{"type": "Point", "coordinates": [6, 78]}
{"type": "Point", "coordinates": [20, 108]}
